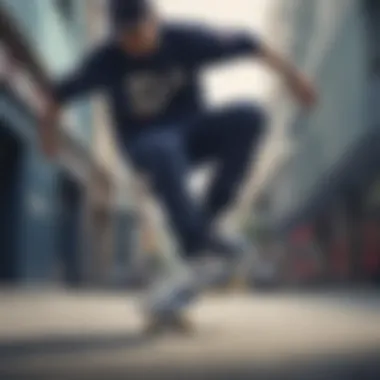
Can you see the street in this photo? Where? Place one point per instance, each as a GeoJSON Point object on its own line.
{"type": "Point", "coordinates": [54, 334]}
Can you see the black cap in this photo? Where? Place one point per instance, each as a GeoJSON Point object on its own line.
{"type": "Point", "coordinates": [128, 13]}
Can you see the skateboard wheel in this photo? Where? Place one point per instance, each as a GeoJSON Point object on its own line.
{"type": "Point", "coordinates": [175, 322]}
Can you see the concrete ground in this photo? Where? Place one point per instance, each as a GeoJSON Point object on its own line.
{"type": "Point", "coordinates": [54, 335]}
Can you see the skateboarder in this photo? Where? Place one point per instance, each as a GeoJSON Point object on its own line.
{"type": "Point", "coordinates": [150, 72]}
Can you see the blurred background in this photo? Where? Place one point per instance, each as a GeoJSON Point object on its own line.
{"type": "Point", "coordinates": [312, 204]}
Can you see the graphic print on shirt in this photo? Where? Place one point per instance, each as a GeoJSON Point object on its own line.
{"type": "Point", "coordinates": [150, 93]}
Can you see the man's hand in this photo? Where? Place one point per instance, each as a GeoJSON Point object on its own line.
{"type": "Point", "coordinates": [49, 131]}
{"type": "Point", "coordinates": [303, 90]}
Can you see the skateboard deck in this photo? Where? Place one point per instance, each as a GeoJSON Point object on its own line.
{"type": "Point", "coordinates": [172, 322]}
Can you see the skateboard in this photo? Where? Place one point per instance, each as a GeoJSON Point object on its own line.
{"type": "Point", "coordinates": [170, 313]}
{"type": "Point", "coordinates": [170, 322]}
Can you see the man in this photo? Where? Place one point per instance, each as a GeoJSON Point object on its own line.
{"type": "Point", "coordinates": [150, 71]}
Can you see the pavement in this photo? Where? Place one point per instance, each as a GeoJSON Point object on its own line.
{"type": "Point", "coordinates": [55, 334]}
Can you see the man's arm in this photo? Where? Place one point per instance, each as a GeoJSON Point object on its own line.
{"type": "Point", "coordinates": [205, 46]}
{"type": "Point", "coordinates": [299, 85]}
{"type": "Point", "coordinates": [87, 78]}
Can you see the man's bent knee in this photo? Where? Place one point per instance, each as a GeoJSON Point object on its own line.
{"type": "Point", "coordinates": [249, 120]}
{"type": "Point", "coordinates": [245, 121]}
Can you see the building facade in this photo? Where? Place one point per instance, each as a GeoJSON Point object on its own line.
{"type": "Point", "coordinates": [333, 158]}
{"type": "Point", "coordinates": [45, 223]}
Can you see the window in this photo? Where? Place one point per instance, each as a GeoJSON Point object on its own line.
{"type": "Point", "coordinates": [304, 29]}
{"type": "Point", "coordinates": [372, 19]}
{"type": "Point", "coordinates": [66, 8]}
{"type": "Point", "coordinates": [372, 12]}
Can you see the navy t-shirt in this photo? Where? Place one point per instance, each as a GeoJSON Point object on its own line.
{"type": "Point", "coordinates": [161, 89]}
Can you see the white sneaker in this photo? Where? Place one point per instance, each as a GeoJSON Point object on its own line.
{"type": "Point", "coordinates": [209, 271]}
{"type": "Point", "coordinates": [171, 294]}
{"type": "Point", "coordinates": [239, 254]}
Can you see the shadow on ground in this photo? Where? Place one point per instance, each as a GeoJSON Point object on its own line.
{"type": "Point", "coordinates": [70, 344]}
{"type": "Point", "coordinates": [345, 366]}
{"type": "Point", "coordinates": [364, 368]}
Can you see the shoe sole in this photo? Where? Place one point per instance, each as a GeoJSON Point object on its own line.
{"type": "Point", "coordinates": [175, 322]}
{"type": "Point", "coordinates": [175, 303]}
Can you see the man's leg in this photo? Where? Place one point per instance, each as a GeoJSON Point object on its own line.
{"type": "Point", "coordinates": [162, 158]}
{"type": "Point", "coordinates": [229, 137]}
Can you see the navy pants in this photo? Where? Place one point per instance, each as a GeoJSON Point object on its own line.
{"type": "Point", "coordinates": [166, 155]}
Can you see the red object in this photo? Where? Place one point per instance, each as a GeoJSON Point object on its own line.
{"type": "Point", "coordinates": [371, 248]}
{"type": "Point", "coordinates": [306, 269]}
{"type": "Point", "coordinates": [340, 259]}
{"type": "Point", "coordinates": [305, 266]}
{"type": "Point", "coordinates": [302, 235]}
